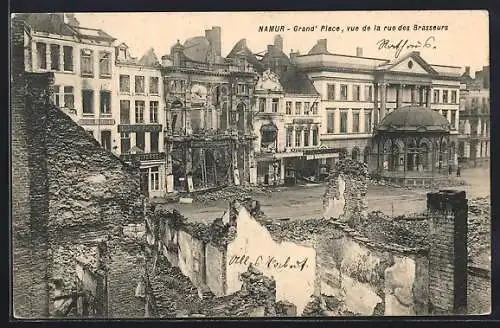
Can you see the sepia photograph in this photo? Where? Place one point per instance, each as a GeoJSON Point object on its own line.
{"type": "Point", "coordinates": [303, 164]}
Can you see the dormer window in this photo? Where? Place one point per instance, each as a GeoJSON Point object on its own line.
{"type": "Point", "coordinates": [122, 54]}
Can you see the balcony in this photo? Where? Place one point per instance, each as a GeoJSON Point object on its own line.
{"type": "Point", "coordinates": [143, 157]}
{"type": "Point", "coordinates": [96, 121]}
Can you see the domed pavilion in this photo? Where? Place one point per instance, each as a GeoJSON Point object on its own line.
{"type": "Point", "coordinates": [413, 145]}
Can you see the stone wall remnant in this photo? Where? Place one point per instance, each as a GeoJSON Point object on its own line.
{"type": "Point", "coordinates": [345, 195]}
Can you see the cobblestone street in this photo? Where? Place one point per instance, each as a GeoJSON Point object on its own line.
{"type": "Point", "coordinates": [305, 202]}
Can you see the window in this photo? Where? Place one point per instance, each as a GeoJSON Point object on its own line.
{"type": "Point", "coordinates": [69, 97]}
{"type": "Point", "coordinates": [355, 122]}
{"type": "Point", "coordinates": [454, 97]}
{"type": "Point", "coordinates": [368, 93]}
{"type": "Point", "coordinates": [274, 105]}
{"type": "Point", "coordinates": [436, 96]}
{"type": "Point", "coordinates": [57, 96]}
{"type": "Point", "coordinates": [242, 89]}
{"type": "Point", "coordinates": [445, 113]}
{"type": "Point", "coordinates": [106, 140]}
{"type": "Point", "coordinates": [155, 178]}
{"type": "Point", "coordinates": [330, 91]}
{"type": "Point", "coordinates": [356, 93]}
{"type": "Point", "coordinates": [262, 105]}
{"type": "Point", "coordinates": [343, 92]}
{"type": "Point", "coordinates": [104, 64]}
{"type": "Point", "coordinates": [298, 108]}
{"type": "Point", "coordinates": [68, 58]}
{"type": "Point", "coordinates": [88, 101]}
{"type": "Point", "coordinates": [306, 137]}
{"type": "Point", "coordinates": [125, 83]}
{"type": "Point", "coordinates": [289, 136]}
{"type": "Point", "coordinates": [307, 107]}
{"type": "Point", "coordinates": [445, 96]}
{"type": "Point", "coordinates": [330, 120]}
{"type": "Point", "coordinates": [125, 111]}
{"type": "Point", "coordinates": [139, 111]}
{"type": "Point", "coordinates": [343, 121]}
{"type": "Point", "coordinates": [453, 119]}
{"type": "Point", "coordinates": [140, 140]}
{"type": "Point", "coordinates": [41, 55]}
{"type": "Point", "coordinates": [87, 62]}
{"type": "Point", "coordinates": [125, 143]}
{"type": "Point", "coordinates": [105, 102]}
{"type": "Point", "coordinates": [368, 121]}
{"type": "Point", "coordinates": [155, 136]}
{"type": "Point", "coordinates": [288, 108]}
{"type": "Point", "coordinates": [315, 108]}
{"type": "Point", "coordinates": [297, 137]}
{"type": "Point", "coordinates": [315, 137]}
{"type": "Point", "coordinates": [55, 60]}
{"type": "Point", "coordinates": [153, 85]}
{"type": "Point", "coordinates": [153, 111]}
{"type": "Point", "coordinates": [139, 84]}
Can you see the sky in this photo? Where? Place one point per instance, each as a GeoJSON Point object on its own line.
{"type": "Point", "coordinates": [464, 43]}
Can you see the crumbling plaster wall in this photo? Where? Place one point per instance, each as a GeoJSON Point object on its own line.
{"type": "Point", "coordinates": [292, 266]}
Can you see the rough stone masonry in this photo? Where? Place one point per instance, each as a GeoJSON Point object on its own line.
{"type": "Point", "coordinates": [69, 194]}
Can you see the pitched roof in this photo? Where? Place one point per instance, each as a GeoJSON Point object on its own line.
{"type": "Point", "coordinates": [415, 55]}
{"type": "Point", "coordinates": [49, 23]}
{"type": "Point", "coordinates": [291, 78]}
{"type": "Point", "coordinates": [149, 59]}
{"type": "Point", "coordinates": [241, 49]}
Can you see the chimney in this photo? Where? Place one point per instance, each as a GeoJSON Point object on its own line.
{"type": "Point", "coordinates": [214, 37]}
{"type": "Point", "coordinates": [293, 55]}
{"type": "Point", "coordinates": [278, 42]}
{"type": "Point", "coordinates": [322, 43]}
{"type": "Point", "coordinates": [70, 19]}
{"type": "Point", "coordinates": [467, 70]}
{"type": "Point", "coordinates": [359, 52]}
{"type": "Point", "coordinates": [448, 210]}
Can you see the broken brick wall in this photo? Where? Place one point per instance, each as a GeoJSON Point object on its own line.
{"type": "Point", "coordinates": [75, 187]}
{"type": "Point", "coordinates": [345, 194]}
{"type": "Point", "coordinates": [478, 291]}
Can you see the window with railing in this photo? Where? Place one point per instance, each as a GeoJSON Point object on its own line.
{"type": "Point", "coordinates": [307, 107]}
{"type": "Point", "coordinates": [343, 121]}
{"type": "Point", "coordinates": [298, 108]}
{"type": "Point", "coordinates": [368, 121]}
{"type": "Point", "coordinates": [355, 122]}
{"type": "Point", "coordinates": [343, 92]}
{"type": "Point", "coordinates": [330, 120]}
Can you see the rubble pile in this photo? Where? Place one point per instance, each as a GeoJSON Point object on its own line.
{"type": "Point", "coordinates": [438, 183]}
{"type": "Point", "coordinates": [257, 297]}
{"type": "Point", "coordinates": [173, 292]}
{"type": "Point", "coordinates": [299, 230]}
{"type": "Point", "coordinates": [405, 232]}
{"type": "Point", "coordinates": [230, 193]}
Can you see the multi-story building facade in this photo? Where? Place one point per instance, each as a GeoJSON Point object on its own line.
{"type": "Point", "coordinates": [286, 120]}
{"type": "Point", "coordinates": [140, 102]}
{"type": "Point", "coordinates": [83, 65]}
{"type": "Point", "coordinates": [209, 135]}
{"type": "Point", "coordinates": [474, 128]}
{"type": "Point", "coordinates": [358, 92]}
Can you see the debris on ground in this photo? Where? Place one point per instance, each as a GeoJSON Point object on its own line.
{"type": "Point", "coordinates": [231, 193]}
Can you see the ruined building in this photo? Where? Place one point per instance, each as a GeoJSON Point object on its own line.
{"type": "Point", "coordinates": [209, 135]}
{"type": "Point", "coordinates": [71, 200]}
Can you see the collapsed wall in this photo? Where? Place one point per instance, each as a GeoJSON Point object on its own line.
{"type": "Point", "coordinates": [70, 241]}
{"type": "Point", "coordinates": [345, 194]}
